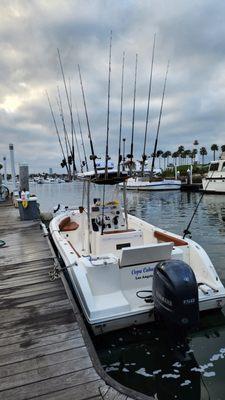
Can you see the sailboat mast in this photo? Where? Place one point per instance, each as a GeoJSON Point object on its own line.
{"type": "Point", "coordinates": [107, 125]}
{"type": "Point", "coordinates": [159, 122]}
{"type": "Point", "coordinates": [93, 156]}
{"type": "Point", "coordinates": [148, 105]}
{"type": "Point", "coordinates": [70, 110]}
{"type": "Point", "coordinates": [121, 117]}
{"type": "Point", "coordinates": [133, 118]}
{"type": "Point", "coordinates": [57, 132]}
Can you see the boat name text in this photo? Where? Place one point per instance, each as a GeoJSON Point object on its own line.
{"type": "Point", "coordinates": [138, 273]}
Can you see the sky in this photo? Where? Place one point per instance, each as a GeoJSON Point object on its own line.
{"type": "Point", "coordinates": [189, 34]}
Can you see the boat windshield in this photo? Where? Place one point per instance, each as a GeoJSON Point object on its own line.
{"type": "Point", "coordinates": [214, 166]}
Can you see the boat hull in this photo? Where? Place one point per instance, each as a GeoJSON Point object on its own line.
{"type": "Point", "coordinates": [166, 184]}
{"type": "Point", "coordinates": [146, 317]}
{"type": "Point", "coordinates": [107, 286]}
{"type": "Point", "coordinates": [126, 320]}
{"type": "Point", "coordinates": [214, 185]}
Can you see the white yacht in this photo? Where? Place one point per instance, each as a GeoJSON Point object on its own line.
{"type": "Point", "coordinates": [214, 182]}
{"type": "Point", "coordinates": [139, 183]}
{"type": "Point", "coordinates": [123, 269]}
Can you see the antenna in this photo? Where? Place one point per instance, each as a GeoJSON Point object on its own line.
{"type": "Point", "coordinates": [107, 127]}
{"type": "Point", "coordinates": [133, 119]}
{"type": "Point", "coordinates": [93, 156]}
{"type": "Point", "coordinates": [148, 105]}
{"type": "Point", "coordinates": [121, 117]}
{"type": "Point", "coordinates": [159, 122]}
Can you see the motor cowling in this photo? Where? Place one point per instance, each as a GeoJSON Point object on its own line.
{"type": "Point", "coordinates": [175, 294]}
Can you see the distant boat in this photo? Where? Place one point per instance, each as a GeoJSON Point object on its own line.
{"type": "Point", "coordinates": [143, 184]}
{"type": "Point", "coordinates": [49, 180]}
{"type": "Point", "coordinates": [40, 181]}
{"type": "Point", "coordinates": [214, 182]}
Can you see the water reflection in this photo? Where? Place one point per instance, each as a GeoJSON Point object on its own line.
{"type": "Point", "coordinates": [149, 359]}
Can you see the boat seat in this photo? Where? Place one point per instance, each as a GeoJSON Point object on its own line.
{"type": "Point", "coordinates": [67, 225]}
{"type": "Point", "coordinates": [146, 254]}
{"type": "Point", "coordinates": [165, 237]}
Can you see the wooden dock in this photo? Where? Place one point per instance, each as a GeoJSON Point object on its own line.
{"type": "Point", "coordinates": [44, 352]}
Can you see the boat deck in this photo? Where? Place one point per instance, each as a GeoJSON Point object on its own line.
{"type": "Point", "coordinates": [43, 351]}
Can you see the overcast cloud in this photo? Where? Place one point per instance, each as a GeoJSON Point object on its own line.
{"type": "Point", "coordinates": [190, 34]}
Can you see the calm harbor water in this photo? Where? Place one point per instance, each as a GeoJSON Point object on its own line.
{"type": "Point", "coordinates": [148, 358]}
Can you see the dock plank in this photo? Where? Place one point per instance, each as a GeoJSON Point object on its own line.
{"type": "Point", "coordinates": [50, 385]}
{"type": "Point", "coordinates": [43, 361]}
{"type": "Point", "coordinates": [42, 351]}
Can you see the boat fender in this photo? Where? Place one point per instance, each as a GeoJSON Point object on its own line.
{"type": "Point", "coordinates": [24, 196]}
{"type": "Point", "coordinates": [25, 203]}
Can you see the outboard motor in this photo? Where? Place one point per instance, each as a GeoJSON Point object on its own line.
{"type": "Point", "coordinates": [175, 294]}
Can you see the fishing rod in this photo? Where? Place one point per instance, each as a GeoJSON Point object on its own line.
{"type": "Point", "coordinates": [186, 231]}
{"type": "Point", "coordinates": [121, 117]}
{"type": "Point", "coordinates": [144, 157]}
{"type": "Point", "coordinates": [108, 110]}
{"type": "Point", "coordinates": [64, 161]}
{"type": "Point", "coordinates": [159, 122]}
{"type": "Point", "coordinates": [73, 127]}
{"type": "Point", "coordinates": [131, 155]}
{"type": "Point", "coordinates": [70, 110]}
{"type": "Point", "coordinates": [92, 156]}
{"type": "Point", "coordinates": [72, 139]}
{"type": "Point", "coordinates": [67, 143]}
{"type": "Point", "coordinates": [82, 139]}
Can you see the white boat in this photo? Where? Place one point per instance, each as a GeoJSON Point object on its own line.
{"type": "Point", "coordinates": [214, 182]}
{"type": "Point", "coordinates": [40, 180]}
{"type": "Point", "coordinates": [123, 268]}
{"type": "Point", "coordinates": [143, 184]}
{"type": "Point", "coordinates": [49, 180]}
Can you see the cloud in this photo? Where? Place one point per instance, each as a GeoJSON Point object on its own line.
{"type": "Point", "coordinates": [190, 34]}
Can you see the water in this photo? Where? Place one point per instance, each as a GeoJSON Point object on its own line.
{"type": "Point", "coordinates": [149, 359]}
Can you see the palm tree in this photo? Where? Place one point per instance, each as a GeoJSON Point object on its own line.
{"type": "Point", "coordinates": [183, 156]}
{"type": "Point", "coordinates": [164, 155]}
{"type": "Point", "coordinates": [192, 156]}
{"type": "Point", "coordinates": [223, 148]}
{"type": "Point", "coordinates": [168, 156]}
{"type": "Point", "coordinates": [214, 148]}
{"type": "Point", "coordinates": [194, 152]}
{"type": "Point", "coordinates": [158, 155]}
{"type": "Point", "coordinates": [188, 152]}
{"type": "Point", "coordinates": [180, 150]}
{"type": "Point", "coordinates": [203, 153]}
{"type": "Point", "coordinates": [175, 155]}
